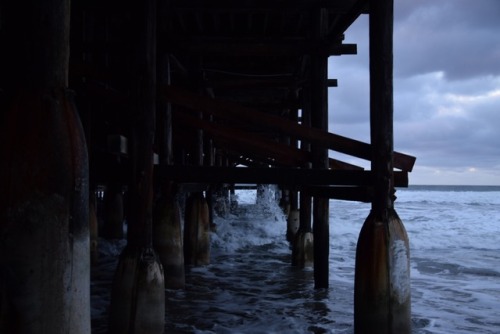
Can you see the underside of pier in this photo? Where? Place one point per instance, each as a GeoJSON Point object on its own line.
{"type": "Point", "coordinates": [173, 99]}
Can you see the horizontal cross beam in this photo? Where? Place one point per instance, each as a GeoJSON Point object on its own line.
{"type": "Point", "coordinates": [282, 176]}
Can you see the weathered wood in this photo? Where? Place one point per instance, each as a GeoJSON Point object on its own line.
{"type": "Point", "coordinates": [319, 152]}
{"type": "Point", "coordinates": [29, 64]}
{"type": "Point", "coordinates": [44, 211]}
{"type": "Point", "coordinates": [196, 231]}
{"type": "Point", "coordinates": [359, 7]}
{"type": "Point", "coordinates": [285, 176]}
{"type": "Point", "coordinates": [360, 194]}
{"type": "Point", "coordinates": [236, 112]}
{"type": "Point", "coordinates": [246, 82]}
{"type": "Point", "coordinates": [302, 250]}
{"type": "Point", "coordinates": [305, 210]}
{"type": "Point", "coordinates": [381, 105]}
{"type": "Point", "coordinates": [262, 5]}
{"type": "Point", "coordinates": [382, 292]}
{"type": "Point", "coordinates": [164, 115]}
{"type": "Point", "coordinates": [167, 237]}
{"type": "Point", "coordinates": [142, 121]}
{"type": "Point", "coordinates": [244, 142]}
{"type": "Point", "coordinates": [260, 48]}
{"type": "Point", "coordinates": [337, 164]}
{"type": "Point", "coordinates": [332, 82]}
{"type": "Point", "coordinates": [138, 298]}
{"type": "Point", "coordinates": [241, 141]}
{"type": "Point", "coordinates": [113, 211]}
{"type": "Point", "coordinates": [252, 160]}
{"type": "Point", "coordinates": [44, 176]}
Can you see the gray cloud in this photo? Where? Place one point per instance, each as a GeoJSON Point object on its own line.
{"type": "Point", "coordinates": [446, 89]}
{"type": "Point", "coordinates": [454, 36]}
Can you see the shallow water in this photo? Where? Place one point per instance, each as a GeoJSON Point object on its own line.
{"type": "Point", "coordinates": [250, 286]}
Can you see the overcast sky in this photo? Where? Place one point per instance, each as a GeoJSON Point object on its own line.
{"type": "Point", "coordinates": [446, 89]}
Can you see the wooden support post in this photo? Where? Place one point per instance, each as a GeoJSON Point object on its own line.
{"type": "Point", "coordinates": [113, 211]}
{"type": "Point", "coordinates": [292, 224]}
{"type": "Point", "coordinates": [319, 119]}
{"type": "Point", "coordinates": [164, 112]}
{"type": "Point", "coordinates": [167, 228]}
{"type": "Point", "coordinates": [167, 237]}
{"type": "Point", "coordinates": [197, 231]}
{"type": "Point", "coordinates": [197, 213]}
{"type": "Point", "coordinates": [44, 181]}
{"type": "Point", "coordinates": [382, 277]}
{"type": "Point", "coordinates": [138, 293]}
{"type": "Point", "coordinates": [209, 160]}
{"type": "Point", "coordinates": [284, 203]}
{"type": "Point", "coordinates": [303, 245]}
{"type": "Point", "coordinates": [94, 228]}
{"type": "Point", "coordinates": [233, 200]}
{"type": "Point", "coordinates": [265, 195]}
{"type": "Point", "coordinates": [288, 198]}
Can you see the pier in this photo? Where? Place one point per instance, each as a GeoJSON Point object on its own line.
{"type": "Point", "coordinates": [151, 113]}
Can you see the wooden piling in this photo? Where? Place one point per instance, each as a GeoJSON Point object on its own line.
{"type": "Point", "coordinates": [167, 224]}
{"type": "Point", "coordinates": [284, 203]}
{"type": "Point", "coordinates": [168, 239]}
{"type": "Point", "coordinates": [303, 250]}
{"type": "Point", "coordinates": [113, 212]}
{"type": "Point", "coordinates": [292, 225]}
{"type": "Point", "coordinates": [220, 200]}
{"type": "Point", "coordinates": [382, 275]}
{"type": "Point", "coordinates": [94, 229]}
{"type": "Point", "coordinates": [319, 119]}
{"type": "Point", "coordinates": [196, 231]}
{"type": "Point", "coordinates": [44, 202]}
{"type": "Point", "coordinates": [138, 293]}
{"type": "Point", "coordinates": [303, 244]}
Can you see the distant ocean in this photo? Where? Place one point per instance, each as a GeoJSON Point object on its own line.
{"type": "Point", "coordinates": [250, 287]}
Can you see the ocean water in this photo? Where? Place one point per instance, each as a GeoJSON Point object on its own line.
{"type": "Point", "coordinates": [250, 286]}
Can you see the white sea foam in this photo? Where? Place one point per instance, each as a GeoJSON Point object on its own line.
{"type": "Point", "coordinates": [250, 286]}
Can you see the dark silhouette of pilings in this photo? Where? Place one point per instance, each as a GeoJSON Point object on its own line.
{"type": "Point", "coordinates": [382, 278]}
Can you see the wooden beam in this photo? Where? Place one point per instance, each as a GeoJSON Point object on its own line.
{"type": "Point", "coordinates": [257, 161]}
{"type": "Point", "coordinates": [340, 26]}
{"type": "Point", "coordinates": [285, 176]}
{"type": "Point", "coordinates": [358, 194]}
{"type": "Point", "coordinates": [261, 5]}
{"type": "Point", "coordinates": [230, 110]}
{"type": "Point", "coordinates": [353, 193]}
{"type": "Point", "coordinates": [244, 142]}
{"type": "Point", "coordinates": [244, 82]}
{"type": "Point", "coordinates": [332, 82]}
{"type": "Point", "coordinates": [259, 48]}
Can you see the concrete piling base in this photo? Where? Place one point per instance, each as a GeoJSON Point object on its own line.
{"type": "Point", "coordinates": [284, 203]}
{"type": "Point", "coordinates": [303, 249]}
{"type": "Point", "coordinates": [94, 232]}
{"type": "Point", "coordinates": [138, 294]}
{"type": "Point", "coordinates": [220, 201]}
{"type": "Point", "coordinates": [44, 219]}
{"type": "Point", "coordinates": [167, 241]}
{"type": "Point", "coordinates": [382, 279]}
{"type": "Point", "coordinates": [197, 231]}
{"type": "Point", "coordinates": [292, 226]}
